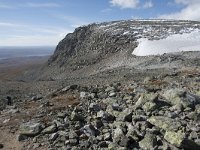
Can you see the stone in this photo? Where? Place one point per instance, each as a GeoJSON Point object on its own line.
{"type": "Point", "coordinates": [21, 137]}
{"type": "Point", "coordinates": [146, 98]}
{"type": "Point", "coordinates": [50, 129]}
{"type": "Point", "coordinates": [83, 94]}
{"type": "Point", "coordinates": [76, 117]}
{"type": "Point", "coordinates": [197, 108]}
{"type": "Point", "coordinates": [149, 141]}
{"type": "Point", "coordinates": [105, 116]}
{"type": "Point", "coordinates": [103, 144]}
{"type": "Point", "coordinates": [149, 106]}
{"type": "Point", "coordinates": [108, 89]}
{"type": "Point", "coordinates": [116, 107]}
{"type": "Point", "coordinates": [61, 115]}
{"type": "Point", "coordinates": [165, 123]}
{"type": "Point", "coordinates": [73, 142]}
{"type": "Point", "coordinates": [89, 130]}
{"type": "Point", "coordinates": [175, 138]}
{"type": "Point", "coordinates": [173, 96]}
{"type": "Point", "coordinates": [37, 97]}
{"type": "Point", "coordinates": [72, 135]}
{"type": "Point", "coordinates": [93, 107]}
{"type": "Point", "coordinates": [193, 135]}
{"type": "Point", "coordinates": [112, 94]}
{"type": "Point", "coordinates": [107, 136]}
{"type": "Point", "coordinates": [1, 146]}
{"type": "Point", "coordinates": [30, 128]}
{"type": "Point", "coordinates": [124, 142]}
{"type": "Point", "coordinates": [180, 96]}
{"type": "Point", "coordinates": [53, 136]}
{"type": "Point", "coordinates": [98, 123]}
{"type": "Point", "coordinates": [125, 115]}
{"type": "Point", "coordinates": [118, 133]}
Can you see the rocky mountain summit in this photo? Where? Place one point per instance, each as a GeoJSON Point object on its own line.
{"type": "Point", "coordinates": [98, 47]}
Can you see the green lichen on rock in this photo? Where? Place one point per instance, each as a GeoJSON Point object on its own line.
{"type": "Point", "coordinates": [175, 138]}
{"type": "Point", "coordinates": [165, 123]}
{"type": "Point", "coordinates": [149, 141]}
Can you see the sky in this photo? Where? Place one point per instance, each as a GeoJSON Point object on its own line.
{"type": "Point", "coordinates": [46, 22]}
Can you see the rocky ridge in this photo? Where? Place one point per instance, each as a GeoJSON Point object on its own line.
{"type": "Point", "coordinates": [99, 47]}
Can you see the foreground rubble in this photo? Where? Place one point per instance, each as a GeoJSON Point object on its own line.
{"type": "Point", "coordinates": [157, 113]}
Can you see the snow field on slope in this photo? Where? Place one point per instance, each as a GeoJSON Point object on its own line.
{"type": "Point", "coordinates": [171, 44]}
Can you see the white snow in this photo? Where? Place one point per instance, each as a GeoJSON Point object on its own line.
{"type": "Point", "coordinates": [173, 43]}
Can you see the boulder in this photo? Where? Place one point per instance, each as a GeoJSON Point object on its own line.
{"type": "Point", "coordinates": [30, 128]}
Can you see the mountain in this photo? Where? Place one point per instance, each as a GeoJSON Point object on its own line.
{"type": "Point", "coordinates": [102, 46]}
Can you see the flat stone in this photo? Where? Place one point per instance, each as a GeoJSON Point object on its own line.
{"type": "Point", "coordinates": [165, 123]}
{"type": "Point", "coordinates": [30, 129]}
{"type": "Point", "coordinates": [50, 129]}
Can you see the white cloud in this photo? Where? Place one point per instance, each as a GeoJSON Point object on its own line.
{"type": "Point", "coordinates": [125, 3]}
{"type": "Point", "coordinates": [133, 4]}
{"type": "Point", "coordinates": [191, 11]}
{"type": "Point", "coordinates": [148, 4]}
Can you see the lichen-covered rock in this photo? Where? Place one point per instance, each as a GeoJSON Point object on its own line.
{"type": "Point", "coordinates": [30, 128]}
{"type": "Point", "coordinates": [173, 96]}
{"type": "Point", "coordinates": [105, 116]}
{"type": "Point", "coordinates": [165, 123]}
{"type": "Point", "coordinates": [151, 97]}
{"type": "Point", "coordinates": [50, 129]}
{"type": "Point", "coordinates": [76, 117]}
{"type": "Point", "coordinates": [118, 134]}
{"type": "Point", "coordinates": [175, 138]}
{"type": "Point", "coordinates": [149, 106]}
{"type": "Point", "coordinates": [125, 115]}
{"type": "Point", "coordinates": [149, 141]}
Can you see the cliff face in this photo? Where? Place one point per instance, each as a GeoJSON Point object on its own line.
{"type": "Point", "coordinates": [89, 45]}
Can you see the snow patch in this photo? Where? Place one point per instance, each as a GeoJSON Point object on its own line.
{"type": "Point", "coordinates": [173, 43]}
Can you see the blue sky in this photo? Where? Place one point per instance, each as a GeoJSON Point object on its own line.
{"type": "Point", "coordinates": [46, 22]}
